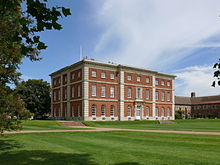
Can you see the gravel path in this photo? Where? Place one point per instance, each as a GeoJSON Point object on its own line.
{"type": "Point", "coordinates": [97, 129]}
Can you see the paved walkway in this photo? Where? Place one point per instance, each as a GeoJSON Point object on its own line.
{"type": "Point", "coordinates": [98, 129]}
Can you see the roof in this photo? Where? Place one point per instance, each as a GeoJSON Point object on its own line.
{"type": "Point", "coordinates": [197, 100]}
{"type": "Point", "coordinates": [182, 100]}
{"type": "Point", "coordinates": [110, 65]}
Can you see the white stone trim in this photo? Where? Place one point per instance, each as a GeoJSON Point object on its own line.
{"type": "Point", "coordinates": [85, 92]}
{"type": "Point", "coordinates": [103, 82]}
{"type": "Point", "coordinates": [97, 99]}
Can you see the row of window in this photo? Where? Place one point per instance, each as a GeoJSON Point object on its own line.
{"type": "Point", "coordinates": [162, 95]}
{"type": "Point", "coordinates": [103, 91]}
{"type": "Point", "coordinates": [56, 94]}
{"type": "Point", "coordinates": [162, 82]}
{"type": "Point", "coordinates": [147, 94]}
{"type": "Point", "coordinates": [103, 75]}
{"type": "Point", "coordinates": [112, 111]}
{"type": "Point", "coordinates": [147, 110]}
{"type": "Point", "coordinates": [200, 107]}
{"type": "Point", "coordinates": [103, 110]}
{"type": "Point", "coordinates": [138, 79]}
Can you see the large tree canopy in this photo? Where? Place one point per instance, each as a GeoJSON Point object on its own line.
{"type": "Point", "coordinates": [20, 24]}
{"type": "Point", "coordinates": [36, 95]}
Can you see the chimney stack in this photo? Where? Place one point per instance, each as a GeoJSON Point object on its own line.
{"type": "Point", "coordinates": [193, 94]}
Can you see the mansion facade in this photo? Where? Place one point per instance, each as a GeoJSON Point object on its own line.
{"type": "Point", "coordinates": [95, 91]}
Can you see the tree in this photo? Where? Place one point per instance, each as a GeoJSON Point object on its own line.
{"type": "Point", "coordinates": [217, 74]}
{"type": "Point", "coordinates": [36, 95]}
{"type": "Point", "coordinates": [12, 109]}
{"type": "Point", "coordinates": [20, 24]}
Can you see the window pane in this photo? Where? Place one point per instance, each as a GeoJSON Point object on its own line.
{"type": "Point", "coordinates": [94, 90]}
{"type": "Point", "coordinates": [103, 91]}
{"type": "Point", "coordinates": [103, 110]}
{"type": "Point", "coordinates": [129, 92]}
{"type": "Point", "coordinates": [147, 94]}
{"type": "Point", "coordinates": [112, 92]}
{"type": "Point", "coordinates": [112, 109]}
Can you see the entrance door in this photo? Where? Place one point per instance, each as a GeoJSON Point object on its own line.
{"type": "Point", "coordinates": [138, 112]}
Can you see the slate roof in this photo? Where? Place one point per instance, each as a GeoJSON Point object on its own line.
{"type": "Point", "coordinates": [180, 100]}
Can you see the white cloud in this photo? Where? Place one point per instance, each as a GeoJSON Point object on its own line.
{"type": "Point", "coordinates": [195, 79]}
{"type": "Point", "coordinates": [154, 33]}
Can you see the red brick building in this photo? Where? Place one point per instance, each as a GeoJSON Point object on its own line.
{"type": "Point", "coordinates": [198, 107]}
{"type": "Point", "coordinates": [91, 90]}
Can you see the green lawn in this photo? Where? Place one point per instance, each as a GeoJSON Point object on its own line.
{"type": "Point", "coordinates": [43, 125]}
{"type": "Point", "coordinates": [109, 148]}
{"type": "Point", "coordinates": [180, 125]}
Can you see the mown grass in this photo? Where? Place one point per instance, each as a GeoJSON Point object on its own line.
{"type": "Point", "coordinates": [180, 125]}
{"type": "Point", "coordinates": [43, 125]}
{"type": "Point", "coordinates": [109, 148]}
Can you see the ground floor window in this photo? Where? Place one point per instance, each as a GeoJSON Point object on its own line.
{"type": "Point", "coordinates": [129, 110]}
{"type": "Point", "coordinates": [147, 111]}
{"type": "Point", "coordinates": [103, 110]}
{"type": "Point", "coordinates": [112, 110]}
{"type": "Point", "coordinates": [93, 110]}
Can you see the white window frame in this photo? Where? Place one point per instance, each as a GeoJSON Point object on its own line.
{"type": "Point", "coordinates": [112, 110]}
{"type": "Point", "coordinates": [94, 90]}
{"type": "Point", "coordinates": [79, 74]}
{"type": "Point", "coordinates": [147, 111]}
{"type": "Point", "coordinates": [112, 92]}
{"type": "Point", "coordinates": [59, 95]}
{"type": "Point", "coordinates": [103, 75]}
{"type": "Point", "coordinates": [65, 93]}
{"type": "Point", "coordinates": [79, 91]}
{"type": "Point", "coordinates": [72, 109]}
{"type": "Point", "coordinates": [156, 82]}
{"type": "Point", "coordinates": [78, 110]}
{"type": "Point", "coordinates": [156, 111]}
{"type": "Point", "coordinates": [168, 83]}
{"type": "Point", "coordinates": [129, 78]}
{"type": "Point", "coordinates": [129, 93]}
{"type": "Point", "coordinates": [93, 73]}
{"type": "Point", "coordinates": [129, 111]}
{"type": "Point", "coordinates": [162, 83]}
{"type": "Point", "coordinates": [139, 93]}
{"type": "Point", "coordinates": [156, 95]}
{"type": "Point", "coordinates": [54, 96]}
{"type": "Point", "coordinates": [162, 112]}
{"type": "Point", "coordinates": [103, 91]}
{"type": "Point", "coordinates": [112, 76]}
{"type": "Point", "coordinates": [94, 108]}
{"type": "Point", "coordinates": [72, 91]}
{"type": "Point", "coordinates": [168, 96]}
{"type": "Point", "coordinates": [147, 94]}
{"type": "Point", "coordinates": [103, 110]}
{"type": "Point", "coordinates": [168, 111]}
{"type": "Point", "coordinates": [163, 96]}
{"type": "Point", "coordinates": [147, 80]}
{"type": "Point", "coordinates": [73, 76]}
{"type": "Point", "coordinates": [138, 78]}
{"type": "Point", "coordinates": [65, 79]}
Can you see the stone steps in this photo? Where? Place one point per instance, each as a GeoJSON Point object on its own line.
{"type": "Point", "coordinates": [71, 123]}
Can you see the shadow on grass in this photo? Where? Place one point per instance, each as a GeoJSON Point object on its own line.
{"type": "Point", "coordinates": [6, 145]}
{"type": "Point", "coordinates": [38, 157]}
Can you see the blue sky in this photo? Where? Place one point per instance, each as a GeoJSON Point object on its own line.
{"type": "Point", "coordinates": [174, 36]}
